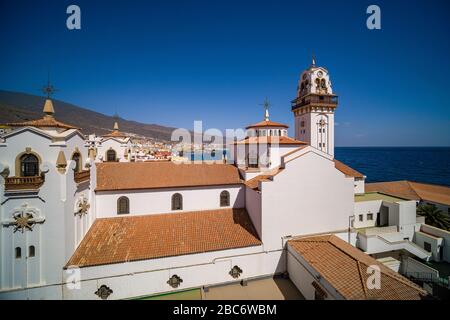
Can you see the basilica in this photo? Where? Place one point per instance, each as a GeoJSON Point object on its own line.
{"type": "Point", "coordinates": [84, 221]}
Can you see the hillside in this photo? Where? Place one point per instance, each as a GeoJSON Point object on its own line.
{"type": "Point", "coordinates": [16, 107]}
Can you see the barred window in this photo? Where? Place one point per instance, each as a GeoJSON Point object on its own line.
{"type": "Point", "coordinates": [123, 205]}
{"type": "Point", "coordinates": [29, 165]}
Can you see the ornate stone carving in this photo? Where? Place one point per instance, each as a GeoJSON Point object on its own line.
{"type": "Point", "coordinates": [24, 218]}
{"type": "Point", "coordinates": [104, 292]}
{"type": "Point", "coordinates": [82, 207]}
{"type": "Point", "coordinates": [235, 272]}
{"type": "Point", "coordinates": [174, 281]}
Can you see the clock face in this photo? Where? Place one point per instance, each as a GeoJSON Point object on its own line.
{"type": "Point", "coordinates": [320, 74]}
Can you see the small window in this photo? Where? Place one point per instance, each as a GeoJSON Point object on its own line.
{"type": "Point", "coordinates": [427, 246]}
{"type": "Point", "coordinates": [18, 253]}
{"type": "Point", "coordinates": [361, 218]}
{"type": "Point", "coordinates": [370, 216]}
{"type": "Point", "coordinates": [31, 251]}
{"type": "Point", "coordinates": [177, 202]}
{"type": "Point", "coordinates": [224, 199]}
{"type": "Point", "coordinates": [123, 205]}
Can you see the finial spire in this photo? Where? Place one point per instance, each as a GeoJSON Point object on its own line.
{"type": "Point", "coordinates": [266, 106]}
{"type": "Point", "coordinates": [313, 60]}
{"type": "Point", "coordinates": [49, 89]}
{"type": "Point", "coordinates": [116, 121]}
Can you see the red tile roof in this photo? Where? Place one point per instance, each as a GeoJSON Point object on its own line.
{"type": "Point", "coordinates": [412, 191]}
{"type": "Point", "coordinates": [267, 123]}
{"type": "Point", "coordinates": [46, 121]}
{"type": "Point", "coordinates": [153, 175]}
{"type": "Point", "coordinates": [134, 238]}
{"type": "Point", "coordinates": [345, 169]}
{"type": "Point", "coordinates": [345, 268]}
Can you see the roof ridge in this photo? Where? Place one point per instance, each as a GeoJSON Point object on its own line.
{"type": "Point", "coordinates": [358, 264]}
{"type": "Point", "coordinates": [412, 188]}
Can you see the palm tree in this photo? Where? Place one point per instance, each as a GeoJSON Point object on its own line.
{"type": "Point", "coordinates": [434, 216]}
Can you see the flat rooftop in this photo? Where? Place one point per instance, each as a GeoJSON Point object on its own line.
{"type": "Point", "coordinates": [370, 196]}
{"type": "Point", "coordinates": [276, 288]}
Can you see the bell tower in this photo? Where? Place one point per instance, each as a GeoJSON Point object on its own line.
{"type": "Point", "coordinates": [314, 109]}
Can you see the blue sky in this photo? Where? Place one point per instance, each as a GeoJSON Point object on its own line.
{"type": "Point", "coordinates": [173, 62]}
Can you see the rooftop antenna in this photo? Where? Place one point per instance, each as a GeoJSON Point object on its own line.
{"type": "Point", "coordinates": [266, 106]}
{"type": "Point", "coordinates": [49, 89]}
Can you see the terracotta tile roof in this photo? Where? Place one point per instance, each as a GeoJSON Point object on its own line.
{"type": "Point", "coordinates": [254, 182]}
{"type": "Point", "coordinates": [152, 175]}
{"type": "Point", "coordinates": [267, 123]}
{"type": "Point", "coordinates": [115, 134]}
{"type": "Point", "coordinates": [46, 121]}
{"type": "Point", "coordinates": [345, 268]}
{"type": "Point", "coordinates": [134, 238]}
{"type": "Point", "coordinates": [345, 169]}
{"type": "Point", "coordinates": [412, 190]}
{"type": "Point", "coordinates": [270, 140]}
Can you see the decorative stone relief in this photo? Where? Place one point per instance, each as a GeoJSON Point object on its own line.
{"type": "Point", "coordinates": [24, 218]}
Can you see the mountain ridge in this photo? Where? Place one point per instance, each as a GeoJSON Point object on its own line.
{"type": "Point", "coordinates": [20, 106]}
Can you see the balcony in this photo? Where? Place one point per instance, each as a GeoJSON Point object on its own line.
{"type": "Point", "coordinates": [82, 176]}
{"type": "Point", "coordinates": [316, 100]}
{"type": "Point", "coordinates": [23, 183]}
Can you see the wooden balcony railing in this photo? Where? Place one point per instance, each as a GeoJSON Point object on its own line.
{"type": "Point", "coordinates": [82, 176]}
{"type": "Point", "coordinates": [319, 100]}
{"type": "Point", "coordinates": [23, 183]}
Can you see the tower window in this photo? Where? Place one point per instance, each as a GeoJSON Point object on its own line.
{"type": "Point", "coordinates": [31, 251]}
{"type": "Point", "coordinates": [224, 199]}
{"type": "Point", "coordinates": [177, 202]}
{"type": "Point", "coordinates": [18, 253]}
{"type": "Point", "coordinates": [29, 165]}
{"type": "Point", "coordinates": [123, 205]}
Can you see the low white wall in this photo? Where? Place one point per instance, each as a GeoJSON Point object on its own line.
{"type": "Point", "coordinates": [363, 208]}
{"type": "Point", "coordinates": [160, 200]}
{"type": "Point", "coordinates": [149, 277]}
{"type": "Point", "coordinates": [445, 235]}
{"type": "Point", "coordinates": [303, 275]}
{"type": "Point", "coordinates": [420, 238]}
{"type": "Point", "coordinates": [253, 205]}
{"type": "Point", "coordinates": [410, 265]}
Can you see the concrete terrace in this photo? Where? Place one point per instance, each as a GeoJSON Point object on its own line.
{"type": "Point", "coordinates": [370, 196]}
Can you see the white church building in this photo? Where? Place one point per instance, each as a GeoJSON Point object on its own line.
{"type": "Point", "coordinates": [73, 227]}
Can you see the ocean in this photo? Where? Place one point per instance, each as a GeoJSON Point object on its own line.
{"type": "Point", "coordinates": [421, 164]}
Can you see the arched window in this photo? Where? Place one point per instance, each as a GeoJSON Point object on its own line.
{"type": "Point", "coordinates": [110, 155]}
{"type": "Point", "coordinates": [123, 205]}
{"type": "Point", "coordinates": [31, 251]}
{"type": "Point", "coordinates": [29, 165]}
{"type": "Point", "coordinates": [18, 253]}
{"type": "Point", "coordinates": [77, 158]}
{"type": "Point", "coordinates": [224, 199]}
{"type": "Point", "coordinates": [177, 202]}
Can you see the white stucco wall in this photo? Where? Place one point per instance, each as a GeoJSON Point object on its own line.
{"type": "Point", "coordinates": [253, 205]}
{"type": "Point", "coordinates": [309, 196]}
{"type": "Point", "coordinates": [159, 200]}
